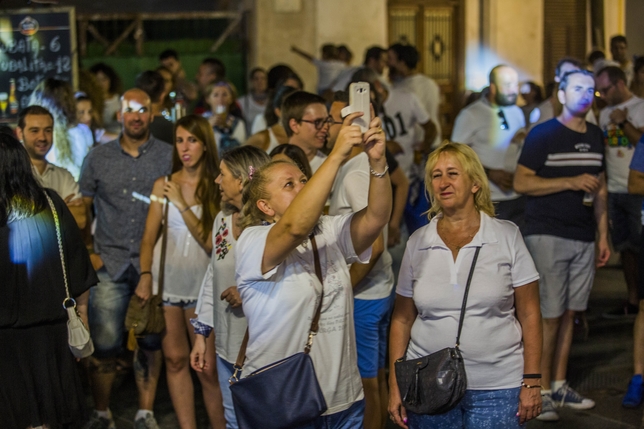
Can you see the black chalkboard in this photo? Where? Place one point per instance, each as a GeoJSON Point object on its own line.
{"type": "Point", "coordinates": [34, 44]}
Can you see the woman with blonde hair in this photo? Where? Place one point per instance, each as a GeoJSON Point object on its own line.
{"type": "Point", "coordinates": [194, 202]}
{"type": "Point", "coordinates": [275, 275]}
{"type": "Point", "coordinates": [219, 305]}
{"type": "Point", "coordinates": [501, 335]}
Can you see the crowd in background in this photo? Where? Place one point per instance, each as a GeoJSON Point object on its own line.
{"type": "Point", "coordinates": [538, 186]}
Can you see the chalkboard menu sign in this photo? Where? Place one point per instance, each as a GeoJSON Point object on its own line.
{"type": "Point", "coordinates": [34, 44]}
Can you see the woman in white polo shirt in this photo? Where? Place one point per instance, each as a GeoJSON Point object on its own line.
{"type": "Point", "coordinates": [501, 338]}
{"type": "Point", "coordinates": [276, 276]}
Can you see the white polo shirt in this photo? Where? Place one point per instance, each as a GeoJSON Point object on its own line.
{"type": "Point", "coordinates": [58, 179]}
{"type": "Point", "coordinates": [491, 339]}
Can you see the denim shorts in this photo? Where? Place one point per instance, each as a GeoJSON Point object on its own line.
{"type": "Point", "coordinates": [184, 304]}
{"type": "Point", "coordinates": [625, 219]}
{"type": "Point", "coordinates": [108, 302]}
{"type": "Point", "coordinates": [479, 409]}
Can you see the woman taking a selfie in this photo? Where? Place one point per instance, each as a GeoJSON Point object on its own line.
{"type": "Point", "coordinates": [276, 278]}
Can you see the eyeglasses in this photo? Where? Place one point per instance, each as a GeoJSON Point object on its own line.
{"type": "Point", "coordinates": [320, 123]}
{"type": "Point", "coordinates": [504, 121]}
{"type": "Point", "coordinates": [604, 91]}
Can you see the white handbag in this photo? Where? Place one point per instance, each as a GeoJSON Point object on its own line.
{"type": "Point", "coordinates": [80, 342]}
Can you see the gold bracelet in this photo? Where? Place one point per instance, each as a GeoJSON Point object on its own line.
{"type": "Point", "coordinates": [528, 386]}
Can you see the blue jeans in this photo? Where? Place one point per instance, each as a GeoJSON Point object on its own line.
{"type": "Point", "coordinates": [224, 372]}
{"type": "Point", "coordinates": [351, 418]}
{"type": "Point", "coordinates": [479, 409]}
{"type": "Point", "coordinates": [108, 302]}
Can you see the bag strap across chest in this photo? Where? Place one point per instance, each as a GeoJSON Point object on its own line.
{"type": "Point", "coordinates": [315, 322]}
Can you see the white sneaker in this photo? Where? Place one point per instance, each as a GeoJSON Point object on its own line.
{"type": "Point", "coordinates": [147, 422]}
{"type": "Point", "coordinates": [548, 411]}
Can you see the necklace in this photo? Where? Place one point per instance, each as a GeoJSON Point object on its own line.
{"type": "Point", "coordinates": [461, 243]}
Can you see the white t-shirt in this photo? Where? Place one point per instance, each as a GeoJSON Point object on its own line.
{"type": "Point", "coordinates": [619, 150]}
{"type": "Point", "coordinates": [491, 339]}
{"type": "Point", "coordinates": [428, 92]}
{"type": "Point", "coordinates": [344, 78]}
{"type": "Point", "coordinates": [402, 112]}
{"type": "Point", "coordinates": [229, 323]}
{"type": "Point", "coordinates": [350, 194]}
{"type": "Point", "coordinates": [280, 304]}
{"type": "Point", "coordinates": [81, 141]}
{"type": "Point", "coordinates": [328, 71]}
{"type": "Point", "coordinates": [110, 109]}
{"type": "Point", "coordinates": [479, 126]}
{"type": "Point", "coordinates": [58, 179]}
{"type": "Point", "coordinates": [317, 160]}
{"type": "Point", "coordinates": [250, 108]}
{"type": "Point", "coordinates": [259, 124]}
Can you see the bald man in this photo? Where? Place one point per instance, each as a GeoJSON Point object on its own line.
{"type": "Point", "coordinates": [495, 128]}
{"type": "Point", "coordinates": [117, 178]}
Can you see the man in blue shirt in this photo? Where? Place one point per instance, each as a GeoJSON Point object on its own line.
{"type": "Point", "coordinates": [562, 171]}
{"type": "Point", "coordinates": [117, 177]}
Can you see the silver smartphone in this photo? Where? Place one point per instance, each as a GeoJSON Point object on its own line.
{"type": "Point", "coordinates": [360, 101]}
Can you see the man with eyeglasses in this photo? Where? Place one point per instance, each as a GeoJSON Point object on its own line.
{"type": "Point", "coordinates": [494, 127]}
{"type": "Point", "coordinates": [116, 177]}
{"type": "Point", "coordinates": [622, 122]}
{"type": "Point", "coordinates": [306, 121]}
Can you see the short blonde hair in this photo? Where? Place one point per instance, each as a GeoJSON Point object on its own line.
{"type": "Point", "coordinates": [471, 164]}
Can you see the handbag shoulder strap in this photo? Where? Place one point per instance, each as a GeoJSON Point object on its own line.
{"type": "Point", "coordinates": [164, 242]}
{"type": "Point", "coordinates": [241, 356]}
{"type": "Point", "coordinates": [59, 238]}
{"type": "Point", "coordinates": [467, 291]}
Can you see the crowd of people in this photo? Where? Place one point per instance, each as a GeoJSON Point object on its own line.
{"type": "Point", "coordinates": [274, 205]}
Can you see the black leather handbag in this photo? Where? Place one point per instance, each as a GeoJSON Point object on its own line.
{"type": "Point", "coordinates": [436, 383]}
{"type": "Point", "coordinates": [284, 394]}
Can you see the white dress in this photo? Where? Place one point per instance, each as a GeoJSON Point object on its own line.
{"type": "Point", "coordinates": [185, 261]}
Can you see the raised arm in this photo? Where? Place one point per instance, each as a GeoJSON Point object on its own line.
{"type": "Point", "coordinates": [399, 180]}
{"type": "Point", "coordinates": [299, 219]}
{"type": "Point", "coordinates": [302, 54]}
{"type": "Point", "coordinates": [368, 223]}
{"type": "Point", "coordinates": [527, 182]}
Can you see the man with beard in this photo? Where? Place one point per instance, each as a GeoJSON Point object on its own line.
{"type": "Point", "coordinates": [306, 121]}
{"type": "Point", "coordinates": [35, 131]}
{"type": "Point", "coordinates": [117, 178]}
{"type": "Point", "coordinates": [562, 170]}
{"type": "Point", "coordinates": [495, 128]}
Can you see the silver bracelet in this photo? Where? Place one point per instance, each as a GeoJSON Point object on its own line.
{"type": "Point", "coordinates": [379, 175]}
